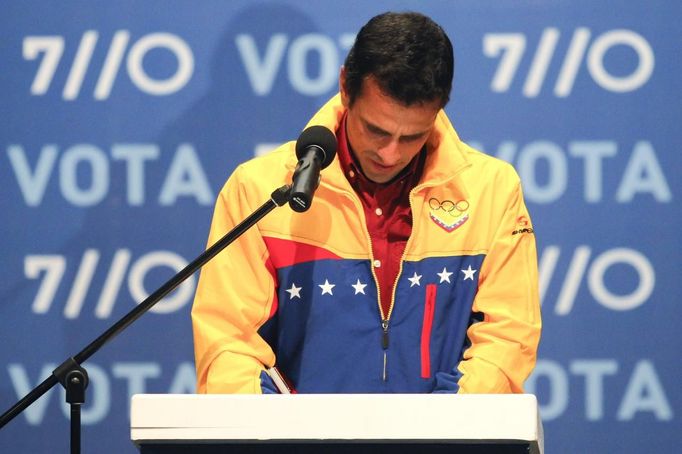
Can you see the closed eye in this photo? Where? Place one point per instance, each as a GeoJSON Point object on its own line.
{"type": "Point", "coordinates": [377, 131]}
{"type": "Point", "coordinates": [412, 137]}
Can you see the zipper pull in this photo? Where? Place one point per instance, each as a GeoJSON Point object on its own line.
{"type": "Point", "coordinates": [384, 345]}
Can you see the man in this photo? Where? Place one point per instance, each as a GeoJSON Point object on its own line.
{"type": "Point", "coordinates": [413, 271]}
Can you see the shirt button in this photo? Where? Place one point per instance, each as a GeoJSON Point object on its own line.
{"type": "Point", "coordinates": [378, 212]}
{"type": "Point", "coordinates": [377, 263]}
{"type": "Point", "coordinates": [351, 174]}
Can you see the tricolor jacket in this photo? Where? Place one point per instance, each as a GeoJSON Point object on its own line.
{"type": "Point", "coordinates": [299, 289]}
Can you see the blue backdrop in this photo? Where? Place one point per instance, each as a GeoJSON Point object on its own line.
{"type": "Point", "coordinates": [121, 120]}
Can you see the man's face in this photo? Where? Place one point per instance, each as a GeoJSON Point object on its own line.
{"type": "Point", "coordinates": [384, 134]}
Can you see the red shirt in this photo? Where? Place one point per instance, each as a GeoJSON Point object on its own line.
{"type": "Point", "coordinates": [387, 213]}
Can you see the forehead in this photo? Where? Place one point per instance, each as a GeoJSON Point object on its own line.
{"type": "Point", "coordinates": [378, 109]}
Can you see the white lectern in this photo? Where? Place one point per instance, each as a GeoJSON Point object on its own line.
{"type": "Point", "coordinates": [345, 423]}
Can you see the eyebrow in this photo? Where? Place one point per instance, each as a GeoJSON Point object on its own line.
{"type": "Point", "coordinates": [377, 130]}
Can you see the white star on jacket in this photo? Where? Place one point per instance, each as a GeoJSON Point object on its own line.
{"type": "Point", "coordinates": [444, 275]}
{"type": "Point", "coordinates": [359, 287]}
{"type": "Point", "coordinates": [468, 273]}
{"type": "Point", "coordinates": [414, 280]}
{"type": "Point", "coordinates": [294, 292]}
{"type": "Point", "coordinates": [327, 287]}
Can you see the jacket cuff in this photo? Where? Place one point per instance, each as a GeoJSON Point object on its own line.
{"type": "Point", "coordinates": [267, 386]}
{"type": "Point", "coordinates": [447, 383]}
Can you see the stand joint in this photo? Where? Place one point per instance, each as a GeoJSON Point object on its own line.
{"type": "Point", "coordinates": [74, 379]}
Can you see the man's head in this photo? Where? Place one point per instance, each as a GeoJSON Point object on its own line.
{"type": "Point", "coordinates": [395, 79]}
{"type": "Point", "coordinates": [409, 56]}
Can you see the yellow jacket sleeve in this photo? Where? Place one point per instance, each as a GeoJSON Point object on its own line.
{"type": "Point", "coordinates": [234, 298]}
{"type": "Point", "coordinates": [504, 343]}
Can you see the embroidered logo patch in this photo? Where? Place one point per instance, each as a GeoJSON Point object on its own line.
{"type": "Point", "coordinates": [447, 214]}
{"type": "Point", "coordinates": [524, 226]}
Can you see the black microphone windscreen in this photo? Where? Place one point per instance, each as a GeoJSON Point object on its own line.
{"type": "Point", "coordinates": [318, 136]}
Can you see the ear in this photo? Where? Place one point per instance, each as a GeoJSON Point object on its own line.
{"type": "Point", "coordinates": [342, 87]}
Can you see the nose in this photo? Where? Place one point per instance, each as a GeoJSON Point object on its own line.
{"type": "Point", "coordinates": [389, 153]}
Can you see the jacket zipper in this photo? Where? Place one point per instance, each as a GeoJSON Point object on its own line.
{"type": "Point", "coordinates": [384, 345]}
{"type": "Point", "coordinates": [385, 319]}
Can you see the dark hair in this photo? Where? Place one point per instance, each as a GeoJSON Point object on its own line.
{"type": "Point", "coordinates": [409, 56]}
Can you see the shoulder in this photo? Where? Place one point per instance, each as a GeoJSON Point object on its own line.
{"type": "Point", "coordinates": [270, 168]}
{"type": "Point", "coordinates": [281, 159]}
{"type": "Point", "coordinates": [256, 178]}
{"type": "Point", "coordinates": [455, 155]}
{"type": "Point", "coordinates": [489, 167]}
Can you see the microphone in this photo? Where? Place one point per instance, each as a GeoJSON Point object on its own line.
{"type": "Point", "coordinates": [315, 150]}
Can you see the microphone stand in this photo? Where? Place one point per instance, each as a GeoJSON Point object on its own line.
{"type": "Point", "coordinates": [74, 378]}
